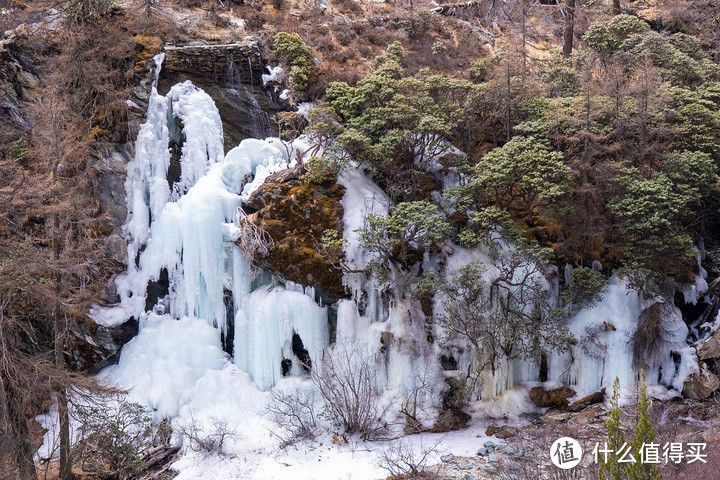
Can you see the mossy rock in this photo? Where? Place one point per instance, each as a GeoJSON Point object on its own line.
{"type": "Point", "coordinates": [295, 214]}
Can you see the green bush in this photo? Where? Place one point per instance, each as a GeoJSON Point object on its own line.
{"type": "Point", "coordinates": [294, 52]}
{"type": "Point", "coordinates": [585, 286]}
{"type": "Point", "coordinates": [408, 225]}
{"type": "Point", "coordinates": [113, 436]}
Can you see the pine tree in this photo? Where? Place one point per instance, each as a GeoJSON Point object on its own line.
{"type": "Point", "coordinates": [612, 469]}
{"type": "Point", "coordinates": [644, 435]}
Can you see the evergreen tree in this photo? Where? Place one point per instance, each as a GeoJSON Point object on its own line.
{"type": "Point", "coordinates": [612, 469]}
{"type": "Point", "coordinates": [644, 435]}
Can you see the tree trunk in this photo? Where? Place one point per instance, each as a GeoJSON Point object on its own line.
{"type": "Point", "coordinates": [65, 472]}
{"type": "Point", "coordinates": [508, 126]}
{"type": "Point", "coordinates": [22, 448]}
{"type": "Point", "coordinates": [524, 36]}
{"type": "Point", "coordinates": [569, 27]}
{"type": "Point", "coordinates": [17, 426]}
{"type": "Point", "coordinates": [616, 10]}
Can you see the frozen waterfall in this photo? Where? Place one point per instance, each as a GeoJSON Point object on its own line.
{"type": "Point", "coordinates": [185, 231]}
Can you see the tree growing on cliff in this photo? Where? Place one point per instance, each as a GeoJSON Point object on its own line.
{"type": "Point", "coordinates": [650, 212]}
{"type": "Point", "coordinates": [400, 236]}
{"type": "Point", "coordinates": [524, 173]}
{"type": "Point", "coordinates": [398, 125]}
{"type": "Point", "coordinates": [506, 315]}
{"type": "Point", "coordinates": [295, 53]}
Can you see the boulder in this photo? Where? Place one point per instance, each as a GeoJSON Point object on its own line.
{"type": "Point", "coordinates": [701, 385]}
{"type": "Point", "coordinates": [502, 432]}
{"type": "Point", "coordinates": [296, 214]}
{"type": "Point", "coordinates": [710, 347]}
{"type": "Point", "coordinates": [588, 415]}
{"type": "Point", "coordinates": [555, 398]}
{"type": "Point", "coordinates": [585, 402]}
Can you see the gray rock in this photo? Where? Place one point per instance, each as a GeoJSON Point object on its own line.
{"type": "Point", "coordinates": [710, 347]}
{"type": "Point", "coordinates": [700, 386]}
{"type": "Point", "coordinates": [489, 444]}
{"type": "Point", "coordinates": [470, 476]}
{"type": "Point", "coordinates": [491, 458]}
{"type": "Point", "coordinates": [484, 451]}
{"type": "Point", "coordinates": [447, 458]}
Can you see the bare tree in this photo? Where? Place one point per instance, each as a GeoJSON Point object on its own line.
{"type": "Point", "coordinates": [401, 459]}
{"type": "Point", "coordinates": [295, 412]}
{"type": "Point", "coordinates": [347, 382]}
{"type": "Point", "coordinates": [13, 379]}
{"type": "Point", "coordinates": [209, 437]}
{"type": "Point", "coordinates": [507, 318]}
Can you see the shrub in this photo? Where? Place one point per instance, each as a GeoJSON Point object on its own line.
{"type": "Point", "coordinates": [524, 173]}
{"type": "Point", "coordinates": [207, 435]}
{"type": "Point", "coordinates": [347, 382]}
{"type": "Point", "coordinates": [585, 286]}
{"type": "Point", "coordinates": [113, 436]}
{"type": "Point", "coordinates": [407, 227]}
{"type": "Point", "coordinates": [401, 459]}
{"type": "Point", "coordinates": [439, 48]}
{"type": "Point", "coordinates": [416, 26]}
{"type": "Point", "coordinates": [295, 412]}
{"type": "Point", "coordinates": [294, 52]}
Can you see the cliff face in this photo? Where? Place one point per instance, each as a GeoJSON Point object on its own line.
{"type": "Point", "coordinates": [233, 63]}
{"type": "Point", "coordinates": [232, 75]}
{"type": "Point", "coordinates": [17, 81]}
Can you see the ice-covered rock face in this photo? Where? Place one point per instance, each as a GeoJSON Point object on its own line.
{"type": "Point", "coordinates": [185, 232]}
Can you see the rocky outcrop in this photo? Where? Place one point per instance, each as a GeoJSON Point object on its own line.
{"type": "Point", "coordinates": [95, 347]}
{"type": "Point", "coordinates": [710, 347]}
{"type": "Point", "coordinates": [295, 214]}
{"type": "Point", "coordinates": [232, 75]}
{"type": "Point", "coordinates": [555, 398]}
{"type": "Point", "coordinates": [17, 81]}
{"type": "Point", "coordinates": [233, 63]}
{"type": "Point", "coordinates": [701, 385]}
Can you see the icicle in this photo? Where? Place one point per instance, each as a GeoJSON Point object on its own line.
{"type": "Point", "coordinates": [264, 331]}
{"type": "Point", "coordinates": [158, 59]}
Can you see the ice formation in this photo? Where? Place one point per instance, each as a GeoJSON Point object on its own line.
{"type": "Point", "coordinates": [187, 231]}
